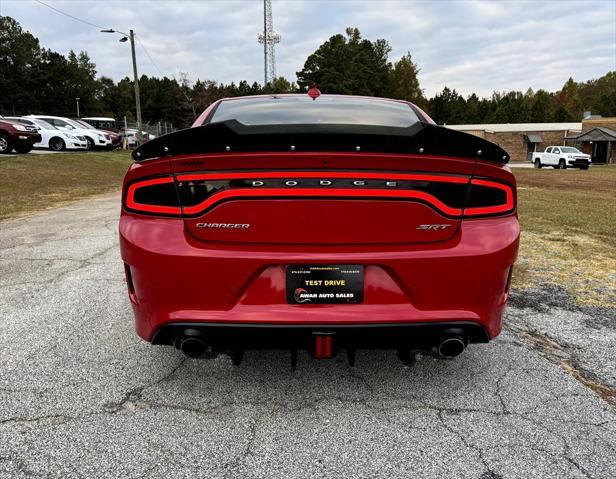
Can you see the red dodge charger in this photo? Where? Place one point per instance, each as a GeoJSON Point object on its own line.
{"type": "Point", "coordinates": [323, 223]}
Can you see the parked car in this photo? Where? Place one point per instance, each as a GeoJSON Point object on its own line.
{"type": "Point", "coordinates": [339, 223]}
{"type": "Point", "coordinates": [116, 138]}
{"type": "Point", "coordinates": [111, 125]}
{"type": "Point", "coordinates": [131, 136]}
{"type": "Point", "coordinates": [104, 123]}
{"type": "Point", "coordinates": [16, 136]}
{"type": "Point", "coordinates": [53, 138]}
{"type": "Point", "coordinates": [94, 138]}
{"type": "Point", "coordinates": [561, 157]}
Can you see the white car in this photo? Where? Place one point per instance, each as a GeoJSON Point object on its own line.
{"type": "Point", "coordinates": [53, 138]}
{"type": "Point", "coordinates": [131, 136]}
{"type": "Point", "coordinates": [94, 138]}
{"type": "Point", "coordinates": [102, 122]}
{"type": "Point", "coordinates": [561, 157]}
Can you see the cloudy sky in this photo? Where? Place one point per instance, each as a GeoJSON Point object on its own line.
{"type": "Point", "coordinates": [470, 45]}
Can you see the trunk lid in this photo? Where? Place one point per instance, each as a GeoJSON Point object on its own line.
{"type": "Point", "coordinates": [322, 199]}
{"type": "Point", "coordinates": [324, 184]}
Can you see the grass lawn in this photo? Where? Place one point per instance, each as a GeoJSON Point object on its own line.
{"type": "Point", "coordinates": [568, 220]}
{"type": "Point", "coordinates": [33, 182]}
{"type": "Point", "coordinates": [568, 217]}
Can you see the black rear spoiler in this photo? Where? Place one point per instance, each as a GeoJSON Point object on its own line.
{"type": "Point", "coordinates": [233, 136]}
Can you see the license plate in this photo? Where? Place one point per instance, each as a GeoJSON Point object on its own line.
{"type": "Point", "coordinates": [325, 284]}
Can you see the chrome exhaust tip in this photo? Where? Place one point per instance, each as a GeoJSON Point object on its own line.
{"type": "Point", "coordinates": [192, 347]}
{"type": "Point", "coordinates": [451, 347]}
{"type": "Point", "coordinates": [191, 343]}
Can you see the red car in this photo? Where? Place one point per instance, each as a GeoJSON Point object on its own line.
{"type": "Point", "coordinates": [18, 137]}
{"type": "Point", "coordinates": [325, 224]}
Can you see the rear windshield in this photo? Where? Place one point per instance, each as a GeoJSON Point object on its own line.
{"type": "Point", "coordinates": [301, 109]}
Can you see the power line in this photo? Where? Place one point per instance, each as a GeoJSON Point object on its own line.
{"type": "Point", "coordinates": [161, 73]}
{"type": "Point", "coordinates": [150, 57]}
{"type": "Point", "coordinates": [69, 15]}
{"type": "Point", "coordinates": [103, 28]}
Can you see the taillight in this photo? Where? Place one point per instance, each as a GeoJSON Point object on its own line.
{"type": "Point", "coordinates": [193, 194]}
{"type": "Point", "coordinates": [444, 193]}
{"type": "Point", "coordinates": [157, 196]}
{"type": "Point", "coordinates": [488, 197]}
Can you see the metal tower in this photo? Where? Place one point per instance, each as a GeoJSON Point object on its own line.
{"type": "Point", "coordinates": [269, 38]}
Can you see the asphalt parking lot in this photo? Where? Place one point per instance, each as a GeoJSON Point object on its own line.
{"type": "Point", "coordinates": [82, 396]}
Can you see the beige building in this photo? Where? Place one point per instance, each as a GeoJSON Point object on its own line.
{"type": "Point", "coordinates": [520, 140]}
{"type": "Point", "coordinates": [595, 136]}
{"type": "Point", "coordinates": [598, 139]}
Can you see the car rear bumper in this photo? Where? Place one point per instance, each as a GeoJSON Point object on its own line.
{"type": "Point", "coordinates": [230, 336]}
{"type": "Point", "coordinates": [175, 279]}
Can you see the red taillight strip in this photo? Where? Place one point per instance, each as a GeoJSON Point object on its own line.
{"type": "Point", "coordinates": [491, 210]}
{"type": "Point", "coordinates": [321, 193]}
{"type": "Point", "coordinates": [311, 192]}
{"type": "Point", "coordinates": [322, 174]}
{"type": "Point", "coordinates": [133, 205]}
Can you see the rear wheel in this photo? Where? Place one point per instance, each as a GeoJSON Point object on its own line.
{"type": "Point", "coordinates": [24, 148]}
{"type": "Point", "coordinates": [5, 144]}
{"type": "Point", "coordinates": [538, 163]}
{"type": "Point", "coordinates": [90, 142]}
{"type": "Point", "coordinates": [57, 144]}
{"type": "Point", "coordinates": [562, 164]}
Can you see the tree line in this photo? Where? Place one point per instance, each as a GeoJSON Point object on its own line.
{"type": "Point", "coordinates": [34, 79]}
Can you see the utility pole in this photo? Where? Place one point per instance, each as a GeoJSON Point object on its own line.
{"type": "Point", "coordinates": [131, 36]}
{"type": "Point", "coordinates": [136, 83]}
{"type": "Point", "coordinates": [77, 100]}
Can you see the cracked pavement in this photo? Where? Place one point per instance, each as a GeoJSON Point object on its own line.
{"type": "Point", "coordinates": [82, 396]}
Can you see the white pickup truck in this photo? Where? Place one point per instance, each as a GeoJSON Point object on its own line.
{"type": "Point", "coordinates": [561, 157]}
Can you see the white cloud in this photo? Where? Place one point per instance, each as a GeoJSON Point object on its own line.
{"type": "Point", "coordinates": [471, 45]}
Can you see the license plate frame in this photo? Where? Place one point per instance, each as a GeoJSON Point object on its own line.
{"type": "Point", "coordinates": [325, 283]}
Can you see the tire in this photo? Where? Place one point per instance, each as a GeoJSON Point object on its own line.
{"type": "Point", "coordinates": [6, 146]}
{"type": "Point", "coordinates": [538, 163]}
{"type": "Point", "coordinates": [57, 144]}
{"type": "Point", "coordinates": [562, 164]}
{"type": "Point", "coordinates": [24, 148]}
{"type": "Point", "coordinates": [90, 142]}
